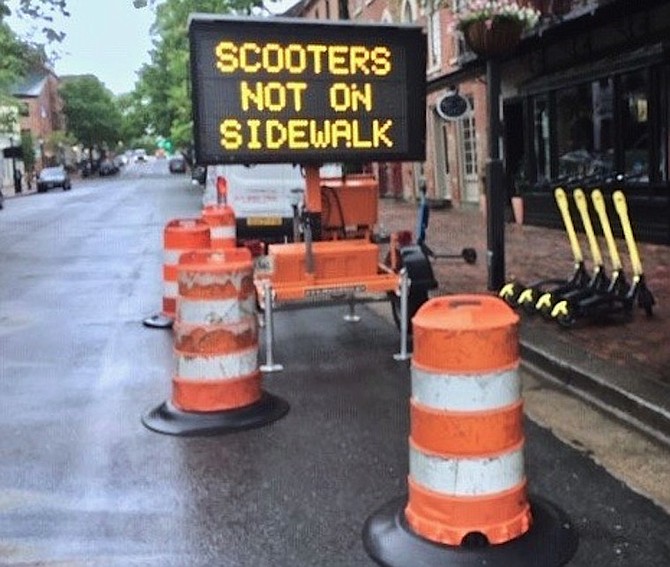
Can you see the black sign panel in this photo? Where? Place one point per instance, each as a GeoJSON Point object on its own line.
{"type": "Point", "coordinates": [290, 90]}
{"type": "Point", "coordinates": [452, 106]}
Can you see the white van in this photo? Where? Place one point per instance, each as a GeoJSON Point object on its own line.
{"type": "Point", "coordinates": [262, 196]}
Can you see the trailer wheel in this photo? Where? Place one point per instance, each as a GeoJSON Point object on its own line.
{"type": "Point", "coordinates": [469, 255]}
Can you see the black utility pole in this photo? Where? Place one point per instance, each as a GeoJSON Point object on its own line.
{"type": "Point", "coordinates": [495, 189]}
{"type": "Point", "coordinates": [17, 180]}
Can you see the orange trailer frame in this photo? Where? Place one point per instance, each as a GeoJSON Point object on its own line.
{"type": "Point", "coordinates": [344, 268]}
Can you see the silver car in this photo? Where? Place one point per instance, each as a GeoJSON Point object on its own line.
{"type": "Point", "coordinates": [51, 177]}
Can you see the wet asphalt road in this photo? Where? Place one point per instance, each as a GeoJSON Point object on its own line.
{"type": "Point", "coordinates": [84, 483]}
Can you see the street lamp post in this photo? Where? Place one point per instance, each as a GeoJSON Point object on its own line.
{"type": "Point", "coordinates": [41, 143]}
{"type": "Point", "coordinates": [495, 203]}
{"type": "Point", "coordinates": [15, 173]}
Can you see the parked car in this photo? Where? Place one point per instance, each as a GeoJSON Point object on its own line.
{"type": "Point", "coordinates": [177, 164]}
{"type": "Point", "coordinates": [51, 177]}
{"type": "Point", "coordinates": [107, 167]}
{"type": "Point", "coordinates": [140, 155]}
{"type": "Point", "coordinates": [120, 160]}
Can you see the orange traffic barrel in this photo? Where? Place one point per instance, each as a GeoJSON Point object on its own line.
{"type": "Point", "coordinates": [179, 236]}
{"type": "Point", "coordinates": [221, 221]}
{"type": "Point", "coordinates": [217, 383]}
{"type": "Point", "coordinates": [467, 489]}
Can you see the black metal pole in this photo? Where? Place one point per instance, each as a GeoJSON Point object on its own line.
{"type": "Point", "coordinates": [17, 183]}
{"type": "Point", "coordinates": [495, 189]}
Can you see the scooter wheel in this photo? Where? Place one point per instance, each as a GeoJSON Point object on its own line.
{"type": "Point", "coordinates": [566, 320]}
{"type": "Point", "coordinates": [527, 300]}
{"type": "Point", "coordinates": [645, 300]}
{"type": "Point", "coordinates": [509, 293]}
{"type": "Point", "coordinates": [544, 305]}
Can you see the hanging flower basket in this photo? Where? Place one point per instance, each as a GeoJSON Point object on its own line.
{"type": "Point", "coordinates": [493, 38]}
{"type": "Point", "coordinates": [561, 7]}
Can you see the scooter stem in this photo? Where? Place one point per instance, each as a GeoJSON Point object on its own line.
{"type": "Point", "coordinates": [562, 202]}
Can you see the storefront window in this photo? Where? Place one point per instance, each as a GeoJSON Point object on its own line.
{"type": "Point", "coordinates": [584, 130]}
{"type": "Point", "coordinates": [470, 141]}
{"type": "Point", "coordinates": [542, 145]}
{"type": "Point", "coordinates": [635, 126]}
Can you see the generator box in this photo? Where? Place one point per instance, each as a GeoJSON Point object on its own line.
{"type": "Point", "coordinates": [349, 202]}
{"type": "Point", "coordinates": [333, 260]}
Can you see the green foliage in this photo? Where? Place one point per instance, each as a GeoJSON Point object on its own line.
{"type": "Point", "coordinates": [36, 9]}
{"type": "Point", "coordinates": [38, 13]}
{"type": "Point", "coordinates": [28, 146]}
{"type": "Point", "coordinates": [9, 114]}
{"type": "Point", "coordinates": [164, 83]}
{"type": "Point", "coordinates": [13, 61]}
{"type": "Point", "coordinates": [93, 116]}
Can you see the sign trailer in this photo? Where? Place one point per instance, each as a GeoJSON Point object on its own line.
{"type": "Point", "coordinates": [282, 90]}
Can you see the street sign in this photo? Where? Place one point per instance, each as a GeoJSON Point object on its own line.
{"type": "Point", "coordinates": [13, 152]}
{"type": "Point", "coordinates": [452, 106]}
{"type": "Point", "coordinates": [296, 91]}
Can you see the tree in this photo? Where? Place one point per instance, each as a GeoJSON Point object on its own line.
{"type": "Point", "coordinates": [38, 11]}
{"type": "Point", "coordinates": [92, 114]}
{"type": "Point", "coordinates": [134, 118]}
{"type": "Point", "coordinates": [164, 83]}
{"type": "Point", "coordinates": [17, 58]}
{"type": "Point", "coordinates": [28, 145]}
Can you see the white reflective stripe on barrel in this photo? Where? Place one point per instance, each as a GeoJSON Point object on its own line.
{"type": "Point", "coordinates": [170, 288]}
{"type": "Point", "coordinates": [467, 477]}
{"type": "Point", "coordinates": [466, 392]}
{"type": "Point", "coordinates": [198, 278]}
{"type": "Point", "coordinates": [217, 367]}
{"type": "Point", "coordinates": [171, 255]}
{"type": "Point", "coordinates": [222, 232]}
{"type": "Point", "coordinates": [214, 312]}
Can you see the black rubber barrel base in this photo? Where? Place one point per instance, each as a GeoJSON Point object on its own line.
{"type": "Point", "coordinates": [167, 419]}
{"type": "Point", "coordinates": [550, 542]}
{"type": "Point", "coordinates": [158, 321]}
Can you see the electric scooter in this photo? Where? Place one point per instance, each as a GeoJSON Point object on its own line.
{"type": "Point", "coordinates": [598, 281]}
{"type": "Point", "coordinates": [527, 297]}
{"type": "Point", "coordinates": [619, 297]}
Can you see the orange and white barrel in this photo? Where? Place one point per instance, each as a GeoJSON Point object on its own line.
{"type": "Point", "coordinates": [179, 236]}
{"type": "Point", "coordinates": [466, 464]}
{"type": "Point", "coordinates": [216, 332]}
{"type": "Point", "coordinates": [221, 221]}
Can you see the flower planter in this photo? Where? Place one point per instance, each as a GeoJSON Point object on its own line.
{"type": "Point", "coordinates": [493, 38]}
{"type": "Point", "coordinates": [517, 209]}
{"type": "Point", "coordinates": [542, 6]}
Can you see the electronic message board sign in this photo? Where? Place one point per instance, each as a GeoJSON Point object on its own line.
{"type": "Point", "coordinates": [303, 91]}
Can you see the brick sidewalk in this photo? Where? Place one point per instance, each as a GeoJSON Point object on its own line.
{"type": "Point", "coordinates": [534, 253]}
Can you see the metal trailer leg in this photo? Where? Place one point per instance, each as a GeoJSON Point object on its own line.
{"type": "Point", "coordinates": [270, 365]}
{"type": "Point", "coordinates": [351, 316]}
{"type": "Point", "coordinates": [404, 326]}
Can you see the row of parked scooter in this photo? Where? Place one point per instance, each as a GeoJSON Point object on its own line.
{"type": "Point", "coordinates": [588, 295]}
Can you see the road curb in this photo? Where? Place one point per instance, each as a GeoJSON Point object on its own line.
{"type": "Point", "coordinates": [627, 392]}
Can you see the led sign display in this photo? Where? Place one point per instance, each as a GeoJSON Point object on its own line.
{"type": "Point", "coordinates": [290, 90]}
